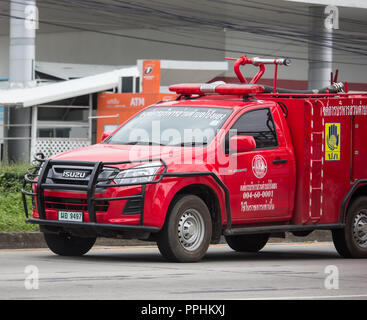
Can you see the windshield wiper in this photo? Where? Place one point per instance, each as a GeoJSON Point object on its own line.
{"type": "Point", "coordinates": [191, 144]}
{"type": "Point", "coordinates": [143, 143]}
{"type": "Point", "coordinates": [151, 143]}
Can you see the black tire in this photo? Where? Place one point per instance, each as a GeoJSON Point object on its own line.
{"type": "Point", "coordinates": [65, 245]}
{"type": "Point", "coordinates": [187, 231]}
{"type": "Point", "coordinates": [351, 242]}
{"type": "Point", "coordinates": [247, 242]}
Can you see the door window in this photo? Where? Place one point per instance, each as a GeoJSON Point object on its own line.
{"type": "Point", "coordinates": [259, 124]}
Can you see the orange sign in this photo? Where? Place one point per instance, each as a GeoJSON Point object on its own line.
{"type": "Point", "coordinates": [151, 74]}
{"type": "Point", "coordinates": [114, 109]}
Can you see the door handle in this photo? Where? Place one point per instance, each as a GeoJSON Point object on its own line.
{"type": "Point", "coordinates": [280, 161]}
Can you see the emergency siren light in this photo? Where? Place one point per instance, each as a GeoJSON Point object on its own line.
{"type": "Point", "coordinates": [219, 87]}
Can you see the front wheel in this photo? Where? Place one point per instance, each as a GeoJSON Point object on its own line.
{"type": "Point", "coordinates": [67, 245]}
{"type": "Point", "coordinates": [186, 234]}
{"type": "Point", "coordinates": [247, 243]}
{"type": "Point", "coordinates": [351, 242]}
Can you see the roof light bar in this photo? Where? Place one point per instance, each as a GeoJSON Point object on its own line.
{"type": "Point", "coordinates": [217, 87]}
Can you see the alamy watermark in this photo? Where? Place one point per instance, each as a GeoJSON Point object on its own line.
{"type": "Point", "coordinates": [31, 15]}
{"type": "Point", "coordinates": [331, 281]}
{"type": "Point", "coordinates": [174, 142]}
{"type": "Point", "coordinates": [31, 281]}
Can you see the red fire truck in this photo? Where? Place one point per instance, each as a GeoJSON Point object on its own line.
{"type": "Point", "coordinates": [246, 161]}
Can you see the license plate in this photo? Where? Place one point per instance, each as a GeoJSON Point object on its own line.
{"type": "Point", "coordinates": [71, 216]}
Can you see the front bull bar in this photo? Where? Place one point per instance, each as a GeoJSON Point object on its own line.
{"type": "Point", "coordinates": [38, 174]}
{"type": "Point", "coordinates": [36, 179]}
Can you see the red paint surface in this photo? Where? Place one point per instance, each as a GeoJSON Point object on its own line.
{"type": "Point", "coordinates": [307, 188]}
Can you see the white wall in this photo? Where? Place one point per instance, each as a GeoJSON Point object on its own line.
{"type": "Point", "coordinates": [94, 48]}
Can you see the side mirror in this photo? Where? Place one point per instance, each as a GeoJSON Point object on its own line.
{"type": "Point", "coordinates": [105, 135]}
{"type": "Point", "coordinates": [242, 144]}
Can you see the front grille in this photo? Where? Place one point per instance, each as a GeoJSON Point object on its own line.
{"type": "Point", "coordinates": [73, 182]}
{"type": "Point", "coordinates": [55, 175]}
{"type": "Point", "coordinates": [77, 204]}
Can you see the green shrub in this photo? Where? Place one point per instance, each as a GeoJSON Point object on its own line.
{"type": "Point", "coordinates": [11, 177]}
{"type": "Point", "coordinates": [11, 204]}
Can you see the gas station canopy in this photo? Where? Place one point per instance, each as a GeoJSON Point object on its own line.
{"type": "Point", "coordinates": [28, 97]}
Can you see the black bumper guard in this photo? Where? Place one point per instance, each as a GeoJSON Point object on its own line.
{"type": "Point", "coordinates": [38, 174]}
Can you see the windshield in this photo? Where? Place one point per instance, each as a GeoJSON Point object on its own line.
{"type": "Point", "coordinates": [172, 126]}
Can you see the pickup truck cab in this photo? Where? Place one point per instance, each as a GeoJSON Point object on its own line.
{"type": "Point", "coordinates": [240, 160]}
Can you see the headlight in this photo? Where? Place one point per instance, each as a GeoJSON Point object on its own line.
{"type": "Point", "coordinates": [139, 174]}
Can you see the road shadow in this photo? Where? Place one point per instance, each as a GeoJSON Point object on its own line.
{"type": "Point", "coordinates": [214, 254]}
{"type": "Point", "coordinates": [273, 255]}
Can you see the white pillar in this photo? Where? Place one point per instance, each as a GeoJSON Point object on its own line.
{"type": "Point", "coordinates": [34, 131]}
{"type": "Point", "coordinates": [23, 25]}
{"type": "Point", "coordinates": [320, 52]}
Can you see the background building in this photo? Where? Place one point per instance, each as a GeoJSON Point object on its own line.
{"type": "Point", "coordinates": [78, 38]}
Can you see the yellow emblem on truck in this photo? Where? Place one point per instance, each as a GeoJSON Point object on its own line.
{"type": "Point", "coordinates": [332, 141]}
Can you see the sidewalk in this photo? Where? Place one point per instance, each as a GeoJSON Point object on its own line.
{"type": "Point", "coordinates": [21, 240]}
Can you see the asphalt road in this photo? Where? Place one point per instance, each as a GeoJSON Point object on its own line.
{"type": "Point", "coordinates": [279, 271]}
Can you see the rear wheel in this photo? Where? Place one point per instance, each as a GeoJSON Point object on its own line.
{"type": "Point", "coordinates": [67, 245]}
{"type": "Point", "coordinates": [351, 242]}
{"type": "Point", "coordinates": [187, 231]}
{"type": "Point", "coordinates": [247, 243]}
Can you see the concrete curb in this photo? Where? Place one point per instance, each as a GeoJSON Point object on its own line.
{"type": "Point", "coordinates": [26, 240]}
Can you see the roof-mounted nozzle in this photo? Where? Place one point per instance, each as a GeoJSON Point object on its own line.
{"type": "Point", "coordinates": [258, 62]}
{"type": "Point", "coordinates": [279, 61]}
{"type": "Point", "coordinates": [244, 89]}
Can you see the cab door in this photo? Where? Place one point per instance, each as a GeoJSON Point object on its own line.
{"type": "Point", "coordinates": [259, 185]}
